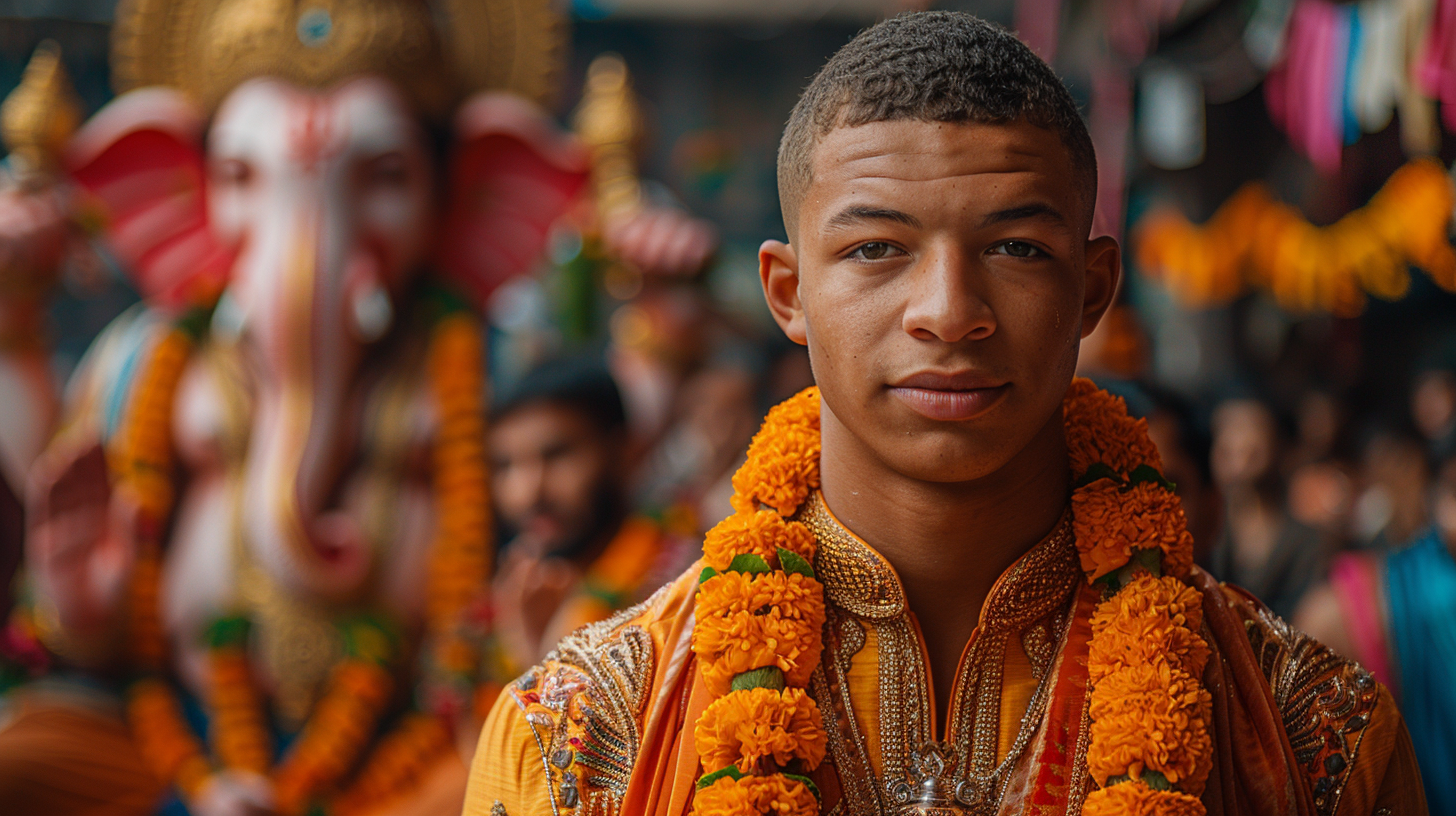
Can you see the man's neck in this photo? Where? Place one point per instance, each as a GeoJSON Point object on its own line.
{"type": "Point", "coordinates": [948, 542]}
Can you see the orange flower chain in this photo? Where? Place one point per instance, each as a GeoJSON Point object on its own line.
{"type": "Point", "coordinates": [1150, 750]}
{"type": "Point", "coordinates": [760, 613]}
{"type": "Point", "coordinates": [360, 686]}
{"type": "Point", "coordinates": [759, 631]}
{"type": "Point", "coordinates": [1254, 240]}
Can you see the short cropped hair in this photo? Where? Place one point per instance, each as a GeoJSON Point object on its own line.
{"type": "Point", "coordinates": [931, 66]}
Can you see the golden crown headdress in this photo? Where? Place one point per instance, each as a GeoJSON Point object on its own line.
{"type": "Point", "coordinates": [437, 51]}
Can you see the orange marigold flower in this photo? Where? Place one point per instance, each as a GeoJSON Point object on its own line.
{"type": "Point", "coordinates": [752, 726]}
{"type": "Point", "coordinates": [760, 533]}
{"type": "Point", "coordinates": [1151, 717]}
{"type": "Point", "coordinates": [782, 467]}
{"type": "Point", "coordinates": [747, 622]}
{"type": "Point", "coordinates": [1150, 619]}
{"type": "Point", "coordinates": [1098, 429]}
{"type": "Point", "coordinates": [799, 411]}
{"type": "Point", "coordinates": [1111, 524]}
{"type": "Point", "coordinates": [774, 795]}
{"type": "Point", "coordinates": [1136, 799]}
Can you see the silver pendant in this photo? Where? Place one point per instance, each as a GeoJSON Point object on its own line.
{"type": "Point", "coordinates": [929, 787]}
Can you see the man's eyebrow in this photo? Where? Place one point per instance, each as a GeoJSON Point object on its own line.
{"type": "Point", "coordinates": [856, 212]}
{"type": "Point", "coordinates": [1041, 211]}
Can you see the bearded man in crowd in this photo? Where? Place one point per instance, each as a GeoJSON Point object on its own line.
{"type": "Point", "coordinates": [573, 553]}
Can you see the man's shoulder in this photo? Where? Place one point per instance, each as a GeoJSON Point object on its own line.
{"type": "Point", "coordinates": [612, 659]}
{"type": "Point", "coordinates": [1330, 707]}
{"type": "Point", "coordinates": [580, 712]}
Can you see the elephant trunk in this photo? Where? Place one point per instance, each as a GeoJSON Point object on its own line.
{"type": "Point", "coordinates": [308, 358]}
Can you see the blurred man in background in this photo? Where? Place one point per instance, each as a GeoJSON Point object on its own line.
{"type": "Point", "coordinates": [573, 553]}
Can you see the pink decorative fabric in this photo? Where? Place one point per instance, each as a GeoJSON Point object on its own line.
{"type": "Point", "coordinates": [1356, 582]}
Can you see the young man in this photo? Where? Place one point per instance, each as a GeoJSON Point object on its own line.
{"type": "Point", "coordinates": [952, 583]}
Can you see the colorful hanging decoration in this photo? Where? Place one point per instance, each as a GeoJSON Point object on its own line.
{"type": "Point", "coordinates": [1306, 91]}
{"type": "Point", "coordinates": [1254, 241]}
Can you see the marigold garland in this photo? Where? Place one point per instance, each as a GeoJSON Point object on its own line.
{"type": "Point", "coordinates": [760, 613]}
{"type": "Point", "coordinates": [361, 685]}
{"type": "Point", "coordinates": [1155, 619]}
{"type": "Point", "coordinates": [1137, 799]}
{"type": "Point", "coordinates": [760, 533]}
{"type": "Point", "coordinates": [758, 725]}
{"type": "Point", "coordinates": [759, 631]}
{"type": "Point", "coordinates": [747, 622]}
{"type": "Point", "coordinates": [1150, 750]}
{"type": "Point", "coordinates": [1124, 519]}
{"type": "Point", "coordinates": [774, 795]}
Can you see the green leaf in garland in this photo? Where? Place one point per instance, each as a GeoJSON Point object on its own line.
{"type": "Point", "coordinates": [771, 677]}
{"type": "Point", "coordinates": [1097, 471]}
{"type": "Point", "coordinates": [749, 563]}
{"type": "Point", "coordinates": [795, 563]}
{"type": "Point", "coordinates": [807, 782]}
{"type": "Point", "coordinates": [1147, 473]}
{"type": "Point", "coordinates": [708, 572]}
{"type": "Point", "coordinates": [1156, 781]}
{"type": "Point", "coordinates": [1150, 559]}
{"type": "Point", "coordinates": [731, 771]}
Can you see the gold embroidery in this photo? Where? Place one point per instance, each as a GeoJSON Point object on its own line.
{"type": "Point", "coordinates": [845, 636]}
{"type": "Point", "coordinates": [1326, 702]}
{"type": "Point", "coordinates": [919, 774]}
{"type": "Point", "coordinates": [584, 705]}
{"type": "Point", "coordinates": [855, 579]}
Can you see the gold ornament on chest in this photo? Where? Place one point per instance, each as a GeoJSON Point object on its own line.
{"type": "Point", "coordinates": [929, 787]}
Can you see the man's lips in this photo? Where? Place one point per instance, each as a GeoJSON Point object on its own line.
{"type": "Point", "coordinates": [949, 397]}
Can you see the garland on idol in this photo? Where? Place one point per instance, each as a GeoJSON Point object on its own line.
{"type": "Point", "coordinates": [760, 614]}
{"type": "Point", "coordinates": [308, 777]}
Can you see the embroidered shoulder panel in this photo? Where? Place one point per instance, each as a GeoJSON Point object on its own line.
{"type": "Point", "coordinates": [584, 705]}
{"type": "Point", "coordinates": [1326, 702]}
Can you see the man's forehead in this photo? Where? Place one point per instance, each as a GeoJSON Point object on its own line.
{"type": "Point", "coordinates": [918, 150]}
{"type": "Point", "coordinates": [905, 157]}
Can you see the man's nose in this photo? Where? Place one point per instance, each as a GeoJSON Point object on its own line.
{"type": "Point", "coordinates": [945, 302]}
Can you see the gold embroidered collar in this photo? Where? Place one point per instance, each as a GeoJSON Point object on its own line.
{"type": "Point", "coordinates": [860, 581]}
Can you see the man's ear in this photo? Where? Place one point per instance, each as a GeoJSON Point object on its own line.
{"type": "Point", "coordinates": [1104, 270]}
{"type": "Point", "coordinates": [778, 270]}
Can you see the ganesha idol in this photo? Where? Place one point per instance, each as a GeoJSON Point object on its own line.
{"type": "Point", "coordinates": [263, 528]}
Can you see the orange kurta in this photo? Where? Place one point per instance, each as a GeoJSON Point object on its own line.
{"type": "Point", "coordinates": [605, 724]}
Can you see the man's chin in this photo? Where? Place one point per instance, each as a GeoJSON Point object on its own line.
{"type": "Point", "coordinates": [947, 457]}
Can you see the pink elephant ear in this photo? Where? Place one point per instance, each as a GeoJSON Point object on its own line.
{"type": "Point", "coordinates": [514, 173]}
{"type": "Point", "coordinates": [139, 161]}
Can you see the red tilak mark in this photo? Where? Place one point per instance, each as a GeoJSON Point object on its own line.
{"type": "Point", "coordinates": [311, 132]}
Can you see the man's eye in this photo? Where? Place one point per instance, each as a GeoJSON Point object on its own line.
{"type": "Point", "coordinates": [875, 251]}
{"type": "Point", "coordinates": [1017, 249]}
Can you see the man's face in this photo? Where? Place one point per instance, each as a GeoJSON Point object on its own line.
{"type": "Point", "coordinates": [942, 279]}
{"type": "Point", "coordinates": [552, 473]}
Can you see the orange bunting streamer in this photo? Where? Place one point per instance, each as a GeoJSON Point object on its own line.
{"type": "Point", "coordinates": [1256, 241]}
